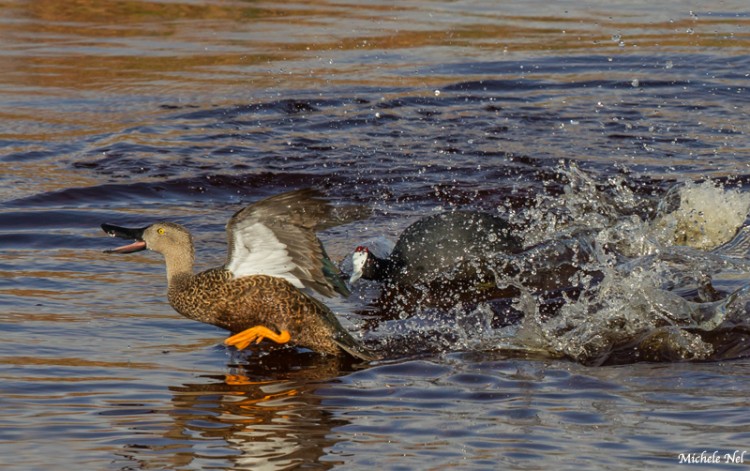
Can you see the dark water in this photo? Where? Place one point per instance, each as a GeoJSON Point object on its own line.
{"type": "Point", "coordinates": [621, 130]}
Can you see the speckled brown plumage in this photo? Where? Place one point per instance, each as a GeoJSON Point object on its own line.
{"type": "Point", "coordinates": [214, 297]}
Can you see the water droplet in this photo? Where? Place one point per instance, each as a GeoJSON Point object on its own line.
{"type": "Point", "coordinates": [669, 65]}
{"type": "Point", "coordinates": [616, 38]}
{"type": "Point", "coordinates": [635, 83]}
{"type": "Point", "coordinates": [437, 92]}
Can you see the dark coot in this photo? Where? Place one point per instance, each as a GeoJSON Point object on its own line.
{"type": "Point", "coordinates": [456, 245]}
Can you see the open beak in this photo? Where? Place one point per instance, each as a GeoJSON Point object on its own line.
{"type": "Point", "coordinates": [125, 233]}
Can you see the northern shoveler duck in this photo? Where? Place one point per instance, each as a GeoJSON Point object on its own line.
{"type": "Point", "coordinates": [274, 255]}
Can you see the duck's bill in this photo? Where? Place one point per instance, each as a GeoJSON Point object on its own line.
{"type": "Point", "coordinates": [125, 233]}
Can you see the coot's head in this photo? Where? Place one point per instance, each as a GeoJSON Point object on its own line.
{"type": "Point", "coordinates": [361, 264]}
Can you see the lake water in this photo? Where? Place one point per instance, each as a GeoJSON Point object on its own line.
{"type": "Point", "coordinates": [617, 132]}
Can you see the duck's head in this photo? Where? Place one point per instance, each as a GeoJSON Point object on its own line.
{"type": "Point", "coordinates": [165, 238]}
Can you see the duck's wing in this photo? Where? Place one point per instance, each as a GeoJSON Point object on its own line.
{"type": "Point", "coordinates": [276, 236]}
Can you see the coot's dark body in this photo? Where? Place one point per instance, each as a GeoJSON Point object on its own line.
{"type": "Point", "coordinates": [441, 261]}
{"type": "Point", "coordinates": [455, 245]}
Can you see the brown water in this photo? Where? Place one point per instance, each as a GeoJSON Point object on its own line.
{"type": "Point", "coordinates": [127, 112]}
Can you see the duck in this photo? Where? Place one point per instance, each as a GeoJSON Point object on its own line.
{"type": "Point", "coordinates": [450, 246]}
{"type": "Point", "coordinates": [275, 264]}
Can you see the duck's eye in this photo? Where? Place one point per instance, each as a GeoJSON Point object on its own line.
{"type": "Point", "coordinates": [160, 231]}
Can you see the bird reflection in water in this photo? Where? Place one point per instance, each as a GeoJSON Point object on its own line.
{"type": "Point", "coordinates": [261, 414]}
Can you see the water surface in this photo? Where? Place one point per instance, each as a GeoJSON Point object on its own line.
{"type": "Point", "coordinates": [572, 118]}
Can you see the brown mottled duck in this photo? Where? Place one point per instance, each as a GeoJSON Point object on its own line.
{"type": "Point", "coordinates": [263, 290]}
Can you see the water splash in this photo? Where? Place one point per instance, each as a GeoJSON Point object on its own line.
{"type": "Point", "coordinates": [609, 276]}
{"type": "Point", "coordinates": [702, 215]}
{"type": "Point", "coordinates": [655, 299]}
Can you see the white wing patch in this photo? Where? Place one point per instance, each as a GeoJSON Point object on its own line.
{"type": "Point", "coordinates": [257, 251]}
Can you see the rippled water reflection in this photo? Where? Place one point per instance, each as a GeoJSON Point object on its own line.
{"type": "Point", "coordinates": [134, 111]}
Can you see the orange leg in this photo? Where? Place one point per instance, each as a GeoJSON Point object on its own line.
{"type": "Point", "coordinates": [256, 334]}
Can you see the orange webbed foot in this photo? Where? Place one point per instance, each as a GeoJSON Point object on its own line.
{"type": "Point", "coordinates": [256, 334]}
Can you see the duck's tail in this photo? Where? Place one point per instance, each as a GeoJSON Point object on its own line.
{"type": "Point", "coordinates": [341, 336]}
{"type": "Point", "coordinates": [353, 347]}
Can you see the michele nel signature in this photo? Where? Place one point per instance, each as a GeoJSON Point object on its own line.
{"type": "Point", "coordinates": [715, 457]}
